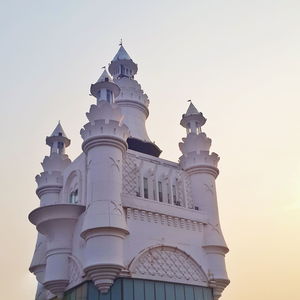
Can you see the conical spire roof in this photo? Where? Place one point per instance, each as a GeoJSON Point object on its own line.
{"type": "Point", "coordinates": [58, 135]}
{"type": "Point", "coordinates": [121, 62]}
{"type": "Point", "coordinates": [58, 131]}
{"type": "Point", "coordinates": [192, 110]}
{"type": "Point", "coordinates": [104, 81]}
{"type": "Point", "coordinates": [103, 77]}
{"type": "Point", "coordinates": [121, 54]}
{"type": "Point", "coordinates": [192, 114]}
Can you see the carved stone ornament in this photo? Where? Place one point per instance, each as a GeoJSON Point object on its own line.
{"type": "Point", "coordinates": [75, 271]}
{"type": "Point", "coordinates": [130, 176]}
{"type": "Point", "coordinates": [166, 263]}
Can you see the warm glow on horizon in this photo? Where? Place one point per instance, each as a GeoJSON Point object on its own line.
{"type": "Point", "coordinates": [239, 61]}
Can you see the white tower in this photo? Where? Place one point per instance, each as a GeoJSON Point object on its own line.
{"type": "Point", "coordinates": [133, 102]}
{"type": "Point", "coordinates": [54, 220]}
{"type": "Point", "coordinates": [120, 223]}
{"type": "Point", "coordinates": [201, 166]}
{"type": "Point", "coordinates": [104, 227]}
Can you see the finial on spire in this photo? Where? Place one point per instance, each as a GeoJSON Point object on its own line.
{"type": "Point", "coordinates": [121, 42]}
{"type": "Point", "coordinates": [104, 67]}
{"type": "Point", "coordinates": [189, 101]}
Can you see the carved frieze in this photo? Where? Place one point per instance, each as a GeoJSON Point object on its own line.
{"type": "Point", "coordinates": [156, 218]}
{"type": "Point", "coordinates": [168, 264]}
{"type": "Point", "coordinates": [130, 176]}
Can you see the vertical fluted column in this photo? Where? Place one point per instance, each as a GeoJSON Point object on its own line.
{"type": "Point", "coordinates": [104, 226]}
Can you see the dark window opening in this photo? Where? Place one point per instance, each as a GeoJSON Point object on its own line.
{"type": "Point", "coordinates": [146, 194]}
{"type": "Point", "coordinates": [160, 193]}
{"type": "Point", "coordinates": [73, 198]}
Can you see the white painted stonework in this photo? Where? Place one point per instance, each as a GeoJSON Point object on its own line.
{"type": "Point", "coordinates": [117, 212]}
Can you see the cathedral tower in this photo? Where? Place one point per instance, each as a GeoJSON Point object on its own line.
{"type": "Point", "coordinates": [120, 223]}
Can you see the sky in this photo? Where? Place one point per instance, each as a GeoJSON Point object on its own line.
{"type": "Point", "coordinates": [239, 62]}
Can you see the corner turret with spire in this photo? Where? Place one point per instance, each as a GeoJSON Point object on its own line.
{"type": "Point", "coordinates": [51, 180]}
{"type": "Point", "coordinates": [202, 168]}
{"type": "Point", "coordinates": [54, 220]}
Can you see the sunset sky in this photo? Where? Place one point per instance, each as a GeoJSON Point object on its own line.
{"type": "Point", "coordinates": [239, 62]}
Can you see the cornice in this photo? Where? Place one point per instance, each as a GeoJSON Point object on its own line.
{"type": "Point", "coordinates": [104, 140]}
{"type": "Point", "coordinates": [134, 104]}
{"type": "Point", "coordinates": [169, 210]}
{"type": "Point", "coordinates": [48, 189]}
{"type": "Point", "coordinates": [203, 169]}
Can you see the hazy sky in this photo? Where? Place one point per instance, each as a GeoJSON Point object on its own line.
{"type": "Point", "coordinates": [238, 60]}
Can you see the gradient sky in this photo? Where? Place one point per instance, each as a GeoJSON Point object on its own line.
{"type": "Point", "coordinates": [238, 60]}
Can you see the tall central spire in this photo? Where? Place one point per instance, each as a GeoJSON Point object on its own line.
{"type": "Point", "coordinates": [133, 102]}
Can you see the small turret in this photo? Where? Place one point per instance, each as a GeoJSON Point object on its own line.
{"type": "Point", "coordinates": [58, 140]}
{"type": "Point", "coordinates": [122, 65]}
{"type": "Point", "coordinates": [50, 181]}
{"type": "Point", "coordinates": [192, 120]}
{"type": "Point", "coordinates": [105, 89]}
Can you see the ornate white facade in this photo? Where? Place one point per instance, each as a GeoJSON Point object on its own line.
{"type": "Point", "coordinates": [118, 210]}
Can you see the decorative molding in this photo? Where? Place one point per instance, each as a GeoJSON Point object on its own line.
{"type": "Point", "coordinates": [218, 286]}
{"type": "Point", "coordinates": [75, 271]}
{"type": "Point", "coordinates": [130, 175]}
{"type": "Point", "coordinates": [165, 220]}
{"type": "Point", "coordinates": [115, 163]}
{"type": "Point", "coordinates": [103, 275]}
{"type": "Point", "coordinates": [210, 187]}
{"type": "Point", "coordinates": [104, 140]}
{"type": "Point", "coordinates": [166, 263]}
{"type": "Point", "coordinates": [215, 227]}
{"type": "Point", "coordinates": [49, 295]}
{"type": "Point", "coordinates": [203, 169]}
{"type": "Point", "coordinates": [189, 200]}
{"type": "Point", "coordinates": [117, 208]}
{"type": "Point", "coordinates": [56, 287]}
{"type": "Point", "coordinates": [135, 104]}
{"type": "Point", "coordinates": [48, 189]}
